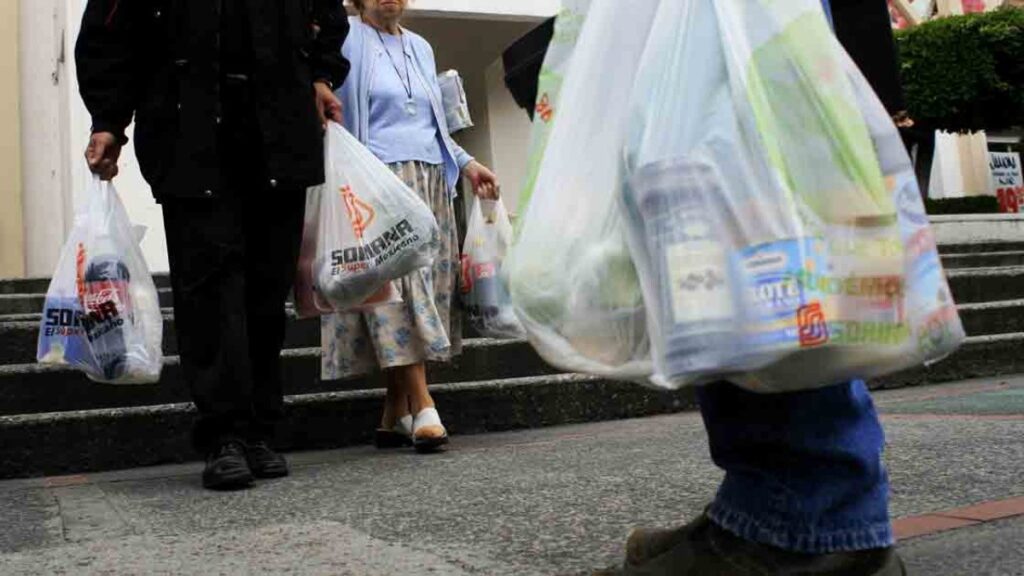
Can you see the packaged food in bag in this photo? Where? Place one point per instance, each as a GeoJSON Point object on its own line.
{"type": "Point", "coordinates": [485, 296]}
{"type": "Point", "coordinates": [765, 234]}
{"type": "Point", "coordinates": [102, 312]}
{"type": "Point", "coordinates": [572, 279]}
{"type": "Point", "coordinates": [364, 228]}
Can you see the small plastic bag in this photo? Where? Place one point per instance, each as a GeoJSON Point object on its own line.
{"type": "Point", "coordinates": [573, 283]}
{"type": "Point", "coordinates": [102, 311]}
{"type": "Point", "coordinates": [364, 228]}
{"type": "Point", "coordinates": [453, 97]}
{"type": "Point", "coordinates": [484, 293]}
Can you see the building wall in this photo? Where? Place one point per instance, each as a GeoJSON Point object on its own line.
{"type": "Point", "coordinates": [12, 242]}
{"type": "Point", "coordinates": [468, 35]}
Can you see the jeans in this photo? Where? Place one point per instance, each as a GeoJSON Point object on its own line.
{"type": "Point", "coordinates": [803, 470]}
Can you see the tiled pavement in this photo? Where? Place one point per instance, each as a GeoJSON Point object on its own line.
{"type": "Point", "coordinates": [547, 501]}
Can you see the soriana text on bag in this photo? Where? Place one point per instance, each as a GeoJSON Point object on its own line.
{"type": "Point", "coordinates": [102, 313]}
{"type": "Point", "coordinates": [364, 228]}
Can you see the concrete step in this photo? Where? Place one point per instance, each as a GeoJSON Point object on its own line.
{"type": "Point", "coordinates": [104, 439]}
{"type": "Point", "coordinates": [19, 334]}
{"type": "Point", "coordinates": [94, 440]}
{"type": "Point", "coordinates": [972, 285]}
{"type": "Point", "coordinates": [980, 247]}
{"type": "Point", "coordinates": [41, 285]}
{"type": "Point", "coordinates": [983, 259]}
{"type": "Point", "coordinates": [989, 318]}
{"type": "Point", "coordinates": [21, 303]}
{"type": "Point", "coordinates": [969, 284]}
{"type": "Point", "coordinates": [18, 338]}
{"type": "Point", "coordinates": [34, 388]}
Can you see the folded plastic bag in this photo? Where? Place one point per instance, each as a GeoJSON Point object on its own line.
{"type": "Point", "coordinates": [364, 228]}
{"type": "Point", "coordinates": [102, 311]}
{"type": "Point", "coordinates": [573, 283]}
{"type": "Point", "coordinates": [485, 297]}
{"type": "Point", "coordinates": [453, 97]}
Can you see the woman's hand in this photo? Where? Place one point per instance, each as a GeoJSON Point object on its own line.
{"type": "Point", "coordinates": [485, 183]}
{"type": "Point", "coordinates": [327, 104]}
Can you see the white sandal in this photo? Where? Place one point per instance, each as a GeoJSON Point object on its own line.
{"type": "Point", "coordinates": [399, 436]}
{"type": "Point", "coordinates": [428, 417]}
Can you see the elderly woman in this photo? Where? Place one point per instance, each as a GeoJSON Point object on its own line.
{"type": "Point", "coordinates": [392, 104]}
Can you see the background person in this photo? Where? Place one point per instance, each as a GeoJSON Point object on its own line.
{"type": "Point", "coordinates": [229, 100]}
{"type": "Point", "coordinates": [392, 104]}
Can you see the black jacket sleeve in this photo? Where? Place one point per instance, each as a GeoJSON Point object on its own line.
{"type": "Point", "coordinates": [108, 63]}
{"type": "Point", "coordinates": [330, 18]}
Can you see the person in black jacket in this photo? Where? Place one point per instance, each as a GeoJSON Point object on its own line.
{"type": "Point", "coordinates": [229, 99]}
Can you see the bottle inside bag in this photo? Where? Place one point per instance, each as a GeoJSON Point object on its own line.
{"type": "Point", "coordinates": [691, 265]}
{"type": "Point", "coordinates": [107, 307]}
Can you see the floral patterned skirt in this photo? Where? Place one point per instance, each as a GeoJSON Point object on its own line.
{"type": "Point", "coordinates": [425, 325]}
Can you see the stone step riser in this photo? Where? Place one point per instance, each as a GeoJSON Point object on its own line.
{"type": "Point", "coordinates": [33, 303]}
{"type": "Point", "coordinates": [111, 439]}
{"type": "Point", "coordinates": [968, 285]}
{"type": "Point", "coordinates": [18, 340]}
{"type": "Point", "coordinates": [30, 389]}
{"type": "Point", "coordinates": [983, 260]}
{"type": "Point", "coordinates": [49, 444]}
{"type": "Point", "coordinates": [986, 285]}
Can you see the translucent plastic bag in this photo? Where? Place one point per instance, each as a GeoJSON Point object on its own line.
{"type": "Point", "coordinates": [929, 327]}
{"type": "Point", "coordinates": [102, 312]}
{"type": "Point", "coordinates": [572, 279]}
{"type": "Point", "coordinates": [484, 293]}
{"type": "Point", "coordinates": [557, 60]}
{"type": "Point", "coordinates": [766, 238]}
{"type": "Point", "coordinates": [364, 228]}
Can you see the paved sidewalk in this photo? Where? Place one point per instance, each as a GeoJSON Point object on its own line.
{"type": "Point", "coordinates": [550, 501]}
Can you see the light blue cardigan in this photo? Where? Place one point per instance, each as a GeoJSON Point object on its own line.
{"type": "Point", "coordinates": [364, 52]}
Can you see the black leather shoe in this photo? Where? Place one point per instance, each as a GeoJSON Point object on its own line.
{"type": "Point", "coordinates": [226, 468]}
{"type": "Point", "coordinates": [264, 462]}
{"type": "Point", "coordinates": [701, 547]}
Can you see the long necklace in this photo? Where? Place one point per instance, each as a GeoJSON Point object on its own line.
{"type": "Point", "coordinates": [410, 104]}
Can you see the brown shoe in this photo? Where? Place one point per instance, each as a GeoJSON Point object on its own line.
{"type": "Point", "coordinates": [702, 548]}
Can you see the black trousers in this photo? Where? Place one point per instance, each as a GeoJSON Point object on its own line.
{"type": "Point", "coordinates": [233, 260]}
{"type": "Point", "coordinates": [232, 266]}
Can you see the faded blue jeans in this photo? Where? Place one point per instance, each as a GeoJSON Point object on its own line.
{"type": "Point", "coordinates": [803, 471]}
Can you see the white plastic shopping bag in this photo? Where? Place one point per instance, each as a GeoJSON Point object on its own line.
{"type": "Point", "coordinates": [102, 312]}
{"type": "Point", "coordinates": [557, 60]}
{"type": "Point", "coordinates": [765, 233]}
{"type": "Point", "coordinates": [751, 216]}
{"type": "Point", "coordinates": [485, 296]}
{"type": "Point", "coordinates": [573, 283]}
{"type": "Point", "coordinates": [364, 228]}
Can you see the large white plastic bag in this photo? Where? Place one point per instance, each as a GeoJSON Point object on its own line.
{"type": "Point", "coordinates": [484, 293]}
{"type": "Point", "coordinates": [930, 327]}
{"type": "Point", "coordinates": [766, 238]}
{"type": "Point", "coordinates": [557, 61]}
{"type": "Point", "coordinates": [572, 280]}
{"type": "Point", "coordinates": [102, 312]}
{"type": "Point", "coordinates": [364, 228]}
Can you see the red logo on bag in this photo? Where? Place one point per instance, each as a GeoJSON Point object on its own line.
{"type": "Point", "coordinates": [544, 108]}
{"type": "Point", "coordinates": [812, 325]}
{"type": "Point", "coordinates": [360, 213]}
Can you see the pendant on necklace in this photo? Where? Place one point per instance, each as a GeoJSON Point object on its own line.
{"type": "Point", "coordinates": [410, 107]}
